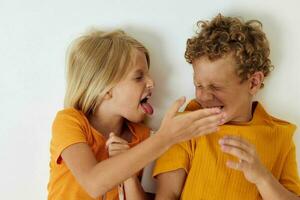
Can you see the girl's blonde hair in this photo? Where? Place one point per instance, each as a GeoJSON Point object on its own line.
{"type": "Point", "coordinates": [96, 62]}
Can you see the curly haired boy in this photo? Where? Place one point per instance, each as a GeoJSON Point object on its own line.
{"type": "Point", "coordinates": [252, 156]}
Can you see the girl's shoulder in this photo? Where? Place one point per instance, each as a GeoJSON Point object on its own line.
{"type": "Point", "coordinates": [70, 116]}
{"type": "Point", "coordinates": [69, 112]}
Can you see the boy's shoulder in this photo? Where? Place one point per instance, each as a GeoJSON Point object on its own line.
{"type": "Point", "coordinates": [281, 126]}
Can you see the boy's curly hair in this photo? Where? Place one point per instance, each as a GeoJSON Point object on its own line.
{"type": "Point", "coordinates": [223, 35]}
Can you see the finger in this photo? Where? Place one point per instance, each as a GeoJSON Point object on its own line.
{"type": "Point", "coordinates": [115, 139]}
{"type": "Point", "coordinates": [115, 147]}
{"type": "Point", "coordinates": [112, 134]}
{"type": "Point", "coordinates": [235, 151]}
{"type": "Point", "coordinates": [213, 119]}
{"type": "Point", "coordinates": [203, 113]}
{"type": "Point", "coordinates": [247, 146]}
{"type": "Point", "coordinates": [207, 126]}
{"type": "Point", "coordinates": [238, 138]}
{"type": "Point", "coordinates": [113, 153]}
{"type": "Point", "coordinates": [236, 143]}
{"type": "Point", "coordinates": [176, 106]}
{"type": "Point", "coordinates": [206, 130]}
{"type": "Point", "coordinates": [236, 165]}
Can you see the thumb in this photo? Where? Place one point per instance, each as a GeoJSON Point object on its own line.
{"type": "Point", "coordinates": [109, 141]}
{"type": "Point", "coordinates": [176, 106]}
{"type": "Point", "coordinates": [112, 134]}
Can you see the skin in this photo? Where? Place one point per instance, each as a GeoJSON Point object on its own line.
{"type": "Point", "coordinates": [217, 84]}
{"type": "Point", "coordinates": [120, 104]}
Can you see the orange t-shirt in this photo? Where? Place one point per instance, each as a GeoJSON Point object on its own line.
{"type": "Point", "coordinates": [70, 127]}
{"type": "Point", "coordinates": [208, 177]}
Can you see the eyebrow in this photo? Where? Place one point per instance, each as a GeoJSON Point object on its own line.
{"type": "Point", "coordinates": [215, 84]}
{"type": "Point", "coordinates": [138, 72]}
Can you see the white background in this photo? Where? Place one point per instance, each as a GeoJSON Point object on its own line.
{"type": "Point", "coordinates": [35, 34]}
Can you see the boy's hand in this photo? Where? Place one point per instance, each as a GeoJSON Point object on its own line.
{"type": "Point", "coordinates": [254, 171]}
{"type": "Point", "coordinates": [116, 145]}
{"type": "Point", "coordinates": [178, 128]}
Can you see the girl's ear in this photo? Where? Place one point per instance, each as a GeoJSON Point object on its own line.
{"type": "Point", "coordinates": [256, 81]}
{"type": "Point", "coordinates": [108, 95]}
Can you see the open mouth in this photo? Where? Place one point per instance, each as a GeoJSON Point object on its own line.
{"type": "Point", "coordinates": [221, 107]}
{"type": "Point", "coordinates": [146, 106]}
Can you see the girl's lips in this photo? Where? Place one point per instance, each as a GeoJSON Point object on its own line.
{"type": "Point", "coordinates": [147, 108]}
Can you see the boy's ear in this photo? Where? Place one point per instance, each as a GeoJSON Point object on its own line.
{"type": "Point", "coordinates": [256, 81]}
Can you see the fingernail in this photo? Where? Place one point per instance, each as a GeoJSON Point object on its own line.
{"type": "Point", "coordinates": [223, 148]}
{"type": "Point", "coordinates": [222, 121]}
{"type": "Point", "coordinates": [217, 110]}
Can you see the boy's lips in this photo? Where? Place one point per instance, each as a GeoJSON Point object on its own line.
{"type": "Point", "coordinates": [214, 106]}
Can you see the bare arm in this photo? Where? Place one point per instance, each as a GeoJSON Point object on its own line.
{"type": "Point", "coordinates": [271, 189]}
{"type": "Point", "coordinates": [98, 178]}
{"type": "Point", "coordinates": [170, 185]}
{"type": "Point", "coordinates": [133, 189]}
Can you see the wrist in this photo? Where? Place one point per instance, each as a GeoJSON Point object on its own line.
{"type": "Point", "coordinates": [265, 179]}
{"type": "Point", "coordinates": [164, 139]}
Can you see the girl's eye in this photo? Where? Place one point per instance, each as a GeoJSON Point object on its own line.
{"type": "Point", "coordinates": [139, 78]}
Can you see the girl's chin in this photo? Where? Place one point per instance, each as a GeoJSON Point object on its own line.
{"type": "Point", "coordinates": [137, 118]}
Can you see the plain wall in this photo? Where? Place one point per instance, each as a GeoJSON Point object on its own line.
{"type": "Point", "coordinates": [34, 35]}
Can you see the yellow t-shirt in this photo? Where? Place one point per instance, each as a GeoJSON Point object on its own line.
{"type": "Point", "coordinates": [209, 178]}
{"type": "Point", "coordinates": [70, 127]}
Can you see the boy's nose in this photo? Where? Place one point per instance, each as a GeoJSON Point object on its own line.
{"type": "Point", "coordinates": [204, 95]}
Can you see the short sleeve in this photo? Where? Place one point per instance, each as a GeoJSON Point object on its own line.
{"type": "Point", "coordinates": [289, 177]}
{"type": "Point", "coordinates": [67, 129]}
{"type": "Point", "coordinates": [179, 156]}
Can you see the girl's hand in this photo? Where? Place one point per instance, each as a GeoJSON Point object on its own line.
{"type": "Point", "coordinates": [249, 163]}
{"type": "Point", "coordinates": [178, 128]}
{"type": "Point", "coordinates": [116, 145]}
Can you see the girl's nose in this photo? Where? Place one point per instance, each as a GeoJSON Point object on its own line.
{"type": "Point", "coordinates": [150, 83]}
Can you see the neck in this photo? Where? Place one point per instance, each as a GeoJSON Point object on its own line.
{"type": "Point", "coordinates": [246, 116]}
{"type": "Point", "coordinates": [105, 123]}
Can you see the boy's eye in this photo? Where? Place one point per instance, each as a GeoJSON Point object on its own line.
{"type": "Point", "coordinates": [215, 88]}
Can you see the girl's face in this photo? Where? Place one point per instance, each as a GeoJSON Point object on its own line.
{"type": "Point", "coordinates": [130, 96]}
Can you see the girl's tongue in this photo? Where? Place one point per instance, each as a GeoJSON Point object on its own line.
{"type": "Point", "coordinates": [147, 108]}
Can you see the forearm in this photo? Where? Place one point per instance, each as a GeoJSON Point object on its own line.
{"type": "Point", "coordinates": [166, 197]}
{"type": "Point", "coordinates": [271, 189]}
{"type": "Point", "coordinates": [108, 173]}
{"type": "Point", "coordinates": [133, 189]}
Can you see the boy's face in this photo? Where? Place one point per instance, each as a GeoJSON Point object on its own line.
{"type": "Point", "coordinates": [218, 85]}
